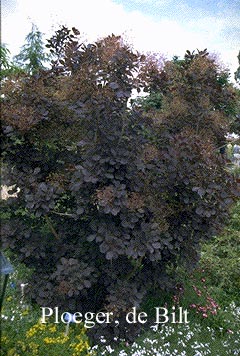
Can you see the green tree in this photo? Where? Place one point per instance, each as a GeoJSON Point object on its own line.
{"type": "Point", "coordinates": [7, 66]}
{"type": "Point", "coordinates": [237, 73]}
{"type": "Point", "coordinates": [4, 55]}
{"type": "Point", "coordinates": [32, 56]}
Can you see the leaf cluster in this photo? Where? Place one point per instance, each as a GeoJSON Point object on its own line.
{"type": "Point", "coordinates": [7, 67]}
{"type": "Point", "coordinates": [195, 92]}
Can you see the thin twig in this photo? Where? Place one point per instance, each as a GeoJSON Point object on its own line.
{"type": "Point", "coordinates": [50, 225]}
{"type": "Point", "coordinates": [63, 214]}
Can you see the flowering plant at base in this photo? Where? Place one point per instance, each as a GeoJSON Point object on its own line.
{"type": "Point", "coordinates": [48, 339]}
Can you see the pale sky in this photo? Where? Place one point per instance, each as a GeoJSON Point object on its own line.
{"type": "Point", "coordinates": [166, 26]}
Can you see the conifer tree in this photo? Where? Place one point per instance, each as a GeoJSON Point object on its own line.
{"type": "Point", "coordinates": [237, 73]}
{"type": "Point", "coordinates": [32, 56]}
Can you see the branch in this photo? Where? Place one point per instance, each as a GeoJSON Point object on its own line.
{"type": "Point", "coordinates": [138, 266]}
{"type": "Point", "coordinates": [51, 227]}
{"type": "Point", "coordinates": [63, 214]}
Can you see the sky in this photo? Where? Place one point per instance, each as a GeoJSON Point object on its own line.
{"type": "Point", "coordinates": [168, 27]}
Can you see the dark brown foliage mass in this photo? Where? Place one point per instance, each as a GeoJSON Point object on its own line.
{"type": "Point", "coordinates": [111, 197]}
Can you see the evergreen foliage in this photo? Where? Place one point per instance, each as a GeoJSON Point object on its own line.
{"type": "Point", "coordinates": [32, 56]}
{"type": "Point", "coordinates": [237, 73]}
{"type": "Point", "coordinates": [7, 67]}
